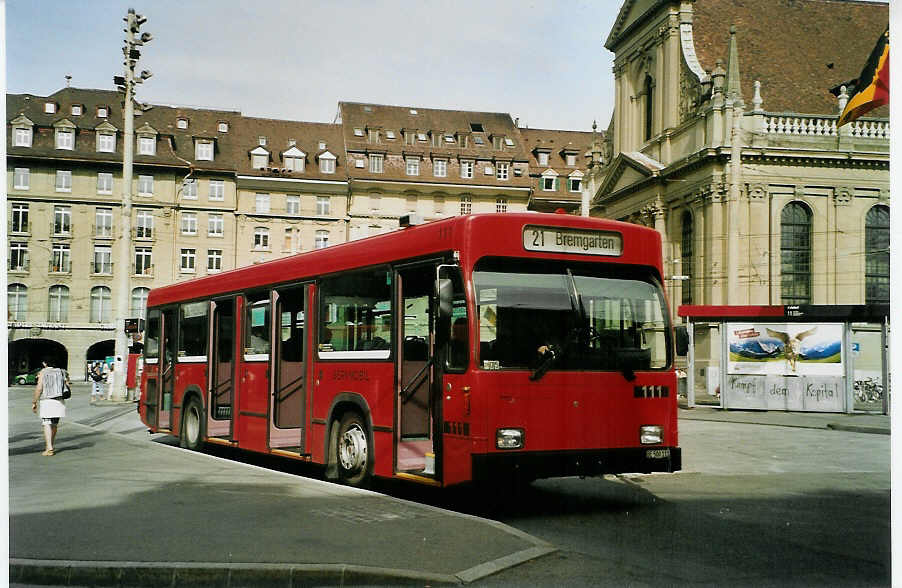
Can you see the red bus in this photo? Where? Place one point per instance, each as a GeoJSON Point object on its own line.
{"type": "Point", "coordinates": [522, 345]}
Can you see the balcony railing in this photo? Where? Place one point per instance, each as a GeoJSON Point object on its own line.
{"type": "Point", "coordinates": [143, 270]}
{"type": "Point", "coordinates": [18, 265]}
{"type": "Point", "coordinates": [20, 228]}
{"type": "Point", "coordinates": [825, 126]}
{"type": "Point", "coordinates": [102, 268]}
{"type": "Point", "coordinates": [142, 234]}
{"type": "Point", "coordinates": [57, 267]}
{"type": "Point", "coordinates": [103, 232]}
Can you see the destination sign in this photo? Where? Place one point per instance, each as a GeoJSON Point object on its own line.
{"type": "Point", "coordinates": [564, 240]}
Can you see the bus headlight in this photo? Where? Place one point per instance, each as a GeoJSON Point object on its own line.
{"type": "Point", "coordinates": [509, 438]}
{"type": "Point", "coordinates": [650, 434]}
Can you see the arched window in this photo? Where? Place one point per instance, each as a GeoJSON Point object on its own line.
{"type": "Point", "coordinates": [876, 265]}
{"type": "Point", "coordinates": [649, 104]}
{"type": "Point", "coordinates": [686, 257]}
{"type": "Point", "coordinates": [59, 304]}
{"type": "Point", "coordinates": [139, 302]}
{"type": "Point", "coordinates": [795, 254]}
{"type": "Point", "coordinates": [17, 301]}
{"type": "Point", "coordinates": [101, 305]}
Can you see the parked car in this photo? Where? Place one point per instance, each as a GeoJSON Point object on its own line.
{"type": "Point", "coordinates": [27, 378]}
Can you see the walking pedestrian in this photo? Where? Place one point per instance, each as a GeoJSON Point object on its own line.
{"type": "Point", "coordinates": [49, 391]}
{"type": "Point", "coordinates": [96, 383]}
{"type": "Point", "coordinates": [110, 379]}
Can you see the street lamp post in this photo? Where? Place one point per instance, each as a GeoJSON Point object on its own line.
{"type": "Point", "coordinates": [126, 84]}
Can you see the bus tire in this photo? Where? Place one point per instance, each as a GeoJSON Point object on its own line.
{"type": "Point", "coordinates": [353, 451]}
{"type": "Point", "coordinates": [192, 431]}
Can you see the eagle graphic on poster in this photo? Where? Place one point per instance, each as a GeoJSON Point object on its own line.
{"type": "Point", "coordinates": [792, 344]}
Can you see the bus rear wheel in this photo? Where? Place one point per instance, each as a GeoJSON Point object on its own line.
{"type": "Point", "coordinates": [354, 452]}
{"type": "Point", "coordinates": [192, 433]}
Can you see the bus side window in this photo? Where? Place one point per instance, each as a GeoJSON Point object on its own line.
{"type": "Point", "coordinates": [355, 313]}
{"type": "Point", "coordinates": [193, 331]}
{"type": "Point", "coordinates": [459, 337]}
{"type": "Point", "coordinates": [256, 333]}
{"type": "Point", "coordinates": [152, 335]}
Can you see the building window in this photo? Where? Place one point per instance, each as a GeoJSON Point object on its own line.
{"type": "Point", "coordinates": [261, 238]}
{"type": "Point", "coordinates": [103, 112]}
{"type": "Point", "coordinates": [22, 178]}
{"type": "Point", "coordinates": [145, 185]}
{"type": "Point", "coordinates": [189, 189]}
{"type": "Point", "coordinates": [876, 243]}
{"type": "Point", "coordinates": [293, 204]}
{"type": "Point", "coordinates": [63, 180]}
{"type": "Point", "coordinates": [575, 184]}
{"type": "Point", "coordinates": [20, 218]}
{"type": "Point", "coordinates": [358, 132]}
{"type": "Point", "coordinates": [440, 168]}
{"type": "Point", "coordinates": [17, 301]}
{"type": "Point", "coordinates": [543, 159]}
{"type": "Point", "coordinates": [649, 105]}
{"type": "Point", "coordinates": [478, 140]}
{"type": "Point", "coordinates": [101, 304]}
{"type": "Point", "coordinates": [22, 137]}
{"type": "Point", "coordinates": [144, 224]}
{"type": "Point", "coordinates": [65, 139]}
{"type": "Point", "coordinates": [571, 160]}
{"type": "Point", "coordinates": [223, 127]}
{"type": "Point", "coordinates": [413, 166]}
{"type": "Point", "coordinates": [49, 107]}
{"type": "Point", "coordinates": [327, 165]}
{"type": "Point", "coordinates": [501, 205]}
{"type": "Point", "coordinates": [466, 204]}
{"type": "Point", "coordinates": [321, 239]}
{"type": "Point", "coordinates": [106, 142]}
{"type": "Point", "coordinates": [76, 110]}
{"type": "Point", "coordinates": [62, 220]}
{"type": "Point", "coordinates": [215, 224]}
{"type": "Point", "coordinates": [189, 223]}
{"type": "Point", "coordinates": [139, 302]}
{"type": "Point", "coordinates": [18, 256]}
{"type": "Point", "coordinates": [104, 183]}
{"type": "Point", "coordinates": [259, 160]}
{"type": "Point", "coordinates": [103, 222]}
{"type": "Point", "coordinates": [497, 143]}
{"type": "Point", "coordinates": [217, 190]}
{"type": "Point", "coordinates": [147, 146]}
{"type": "Point", "coordinates": [502, 170]}
{"type": "Point", "coordinates": [181, 123]}
{"type": "Point", "coordinates": [286, 240]}
{"type": "Point", "coordinates": [203, 150]}
{"type": "Point", "coordinates": [143, 261]}
{"type": "Point", "coordinates": [466, 168]}
{"type": "Point", "coordinates": [59, 304]}
{"type": "Point", "coordinates": [214, 260]}
{"type": "Point", "coordinates": [323, 205]}
{"type": "Point", "coordinates": [261, 203]}
{"type": "Point", "coordinates": [60, 258]}
{"type": "Point", "coordinates": [373, 136]}
{"type": "Point", "coordinates": [462, 140]}
{"type": "Point", "coordinates": [261, 140]}
{"type": "Point", "coordinates": [376, 163]}
{"type": "Point", "coordinates": [686, 258]}
{"type": "Point", "coordinates": [187, 259]}
{"type": "Point", "coordinates": [795, 254]}
{"type": "Point", "coordinates": [294, 163]}
{"type": "Point", "coordinates": [390, 135]}
{"type": "Point", "coordinates": [549, 183]}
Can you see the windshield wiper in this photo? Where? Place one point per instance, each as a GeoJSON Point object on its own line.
{"type": "Point", "coordinates": [553, 352]}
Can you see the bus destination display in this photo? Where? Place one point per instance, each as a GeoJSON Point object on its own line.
{"type": "Point", "coordinates": [564, 240]}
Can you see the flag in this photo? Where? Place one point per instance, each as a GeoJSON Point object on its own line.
{"type": "Point", "coordinates": [872, 87]}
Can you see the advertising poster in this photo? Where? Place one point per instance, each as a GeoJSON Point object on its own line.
{"type": "Point", "coordinates": [787, 349]}
{"type": "Point", "coordinates": [803, 394]}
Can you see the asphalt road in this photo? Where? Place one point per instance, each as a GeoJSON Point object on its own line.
{"type": "Point", "coordinates": [755, 505]}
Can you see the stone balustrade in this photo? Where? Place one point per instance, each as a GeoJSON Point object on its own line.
{"type": "Point", "coordinates": [812, 125]}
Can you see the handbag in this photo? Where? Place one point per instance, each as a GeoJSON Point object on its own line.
{"type": "Point", "coordinates": [67, 392]}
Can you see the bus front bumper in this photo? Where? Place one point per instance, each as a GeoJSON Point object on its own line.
{"type": "Point", "coordinates": [530, 465]}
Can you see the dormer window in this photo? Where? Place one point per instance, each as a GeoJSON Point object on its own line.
{"type": "Point", "coordinates": [476, 128]}
{"type": "Point", "coordinates": [571, 159]}
{"type": "Point", "coordinates": [508, 141]}
{"type": "Point", "coordinates": [373, 136]}
{"type": "Point", "coordinates": [259, 158]}
{"type": "Point", "coordinates": [421, 136]}
{"type": "Point", "coordinates": [147, 145]}
{"type": "Point", "coordinates": [390, 135]}
{"type": "Point", "coordinates": [181, 123]}
{"type": "Point", "coordinates": [413, 111]}
{"type": "Point", "coordinates": [106, 142]}
{"type": "Point", "coordinates": [49, 107]}
{"type": "Point", "coordinates": [292, 142]}
{"type": "Point", "coordinates": [462, 140]}
{"type": "Point", "coordinates": [543, 158]}
{"type": "Point", "coordinates": [223, 127]}
{"type": "Point", "coordinates": [22, 136]}
{"type": "Point", "coordinates": [261, 140]}
{"type": "Point", "coordinates": [327, 163]}
{"type": "Point", "coordinates": [103, 112]}
{"type": "Point", "coordinates": [322, 145]}
{"type": "Point", "coordinates": [65, 139]}
{"type": "Point", "coordinates": [449, 138]}
{"type": "Point", "coordinates": [477, 139]}
{"type": "Point", "coordinates": [549, 181]}
{"type": "Point", "coordinates": [358, 132]}
{"type": "Point", "coordinates": [76, 110]}
{"type": "Point", "coordinates": [203, 150]}
{"type": "Point", "coordinates": [294, 159]}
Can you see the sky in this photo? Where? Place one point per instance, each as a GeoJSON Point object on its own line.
{"type": "Point", "coordinates": [541, 61]}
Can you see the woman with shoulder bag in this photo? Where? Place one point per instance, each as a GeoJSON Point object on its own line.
{"type": "Point", "coordinates": [96, 383]}
{"type": "Point", "coordinates": [52, 385]}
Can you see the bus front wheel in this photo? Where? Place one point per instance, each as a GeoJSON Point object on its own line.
{"type": "Point", "coordinates": [192, 433]}
{"type": "Point", "coordinates": [354, 452]}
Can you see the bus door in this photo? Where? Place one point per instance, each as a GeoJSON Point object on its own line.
{"type": "Point", "coordinates": [167, 367]}
{"type": "Point", "coordinates": [151, 394]}
{"type": "Point", "coordinates": [287, 387]}
{"type": "Point", "coordinates": [254, 372]}
{"type": "Point", "coordinates": [416, 407]}
{"type": "Point", "coordinates": [221, 391]}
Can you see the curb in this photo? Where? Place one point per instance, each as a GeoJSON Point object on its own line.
{"type": "Point", "coordinates": [858, 429]}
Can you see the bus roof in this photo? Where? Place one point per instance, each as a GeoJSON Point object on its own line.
{"type": "Point", "coordinates": [475, 235]}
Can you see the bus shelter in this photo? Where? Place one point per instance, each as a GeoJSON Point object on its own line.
{"type": "Point", "coordinates": [812, 358]}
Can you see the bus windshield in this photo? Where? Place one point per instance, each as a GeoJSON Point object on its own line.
{"type": "Point", "coordinates": [593, 316]}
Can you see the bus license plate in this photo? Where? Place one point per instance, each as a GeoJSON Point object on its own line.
{"type": "Point", "coordinates": [657, 453]}
{"type": "Point", "coordinates": [563, 240]}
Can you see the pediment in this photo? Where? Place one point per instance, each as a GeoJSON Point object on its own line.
{"type": "Point", "coordinates": [624, 171]}
{"type": "Point", "coordinates": [293, 151]}
{"type": "Point", "coordinates": [326, 155]}
{"type": "Point", "coordinates": [146, 129]}
{"type": "Point", "coordinates": [259, 150]}
{"type": "Point", "coordinates": [576, 174]}
{"type": "Point", "coordinates": [549, 173]}
{"type": "Point", "coordinates": [631, 12]}
{"type": "Point", "coordinates": [105, 126]}
{"type": "Point", "coordinates": [21, 121]}
{"type": "Point", "coordinates": [64, 123]}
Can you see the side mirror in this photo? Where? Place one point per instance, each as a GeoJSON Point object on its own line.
{"type": "Point", "coordinates": [681, 334]}
{"type": "Point", "coordinates": [445, 300]}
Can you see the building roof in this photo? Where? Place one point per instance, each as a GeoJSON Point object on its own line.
{"type": "Point", "coordinates": [279, 134]}
{"type": "Point", "coordinates": [797, 49]}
